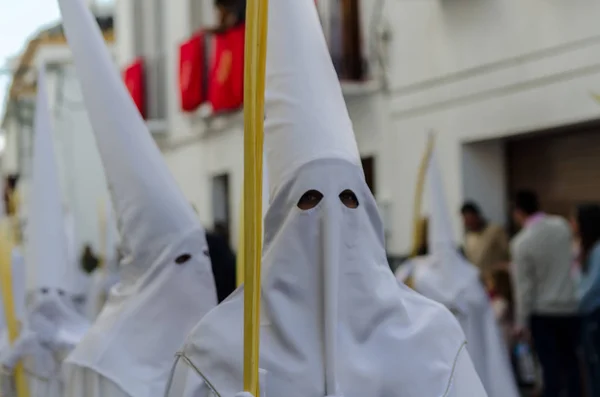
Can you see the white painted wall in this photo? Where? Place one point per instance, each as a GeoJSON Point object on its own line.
{"type": "Point", "coordinates": [483, 70]}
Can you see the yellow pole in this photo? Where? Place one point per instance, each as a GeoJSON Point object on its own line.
{"type": "Point", "coordinates": [596, 97]}
{"type": "Point", "coordinates": [6, 245]}
{"type": "Point", "coordinates": [254, 98]}
{"type": "Point", "coordinates": [418, 224]}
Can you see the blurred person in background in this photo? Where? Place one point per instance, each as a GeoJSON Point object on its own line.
{"type": "Point", "coordinates": [11, 198]}
{"type": "Point", "coordinates": [89, 261]}
{"type": "Point", "coordinates": [230, 13]}
{"type": "Point", "coordinates": [545, 297]}
{"type": "Point", "coordinates": [587, 228]}
{"type": "Point", "coordinates": [486, 244]}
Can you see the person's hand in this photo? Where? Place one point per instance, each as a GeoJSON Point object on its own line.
{"type": "Point", "coordinates": [522, 333]}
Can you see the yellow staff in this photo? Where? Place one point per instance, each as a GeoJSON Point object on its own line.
{"type": "Point", "coordinates": [6, 245]}
{"type": "Point", "coordinates": [254, 103]}
{"type": "Point", "coordinates": [418, 224]}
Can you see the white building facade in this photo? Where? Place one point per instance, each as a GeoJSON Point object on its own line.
{"type": "Point", "coordinates": [81, 175]}
{"type": "Point", "coordinates": [506, 86]}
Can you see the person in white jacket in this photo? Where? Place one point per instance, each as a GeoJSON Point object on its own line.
{"type": "Point", "coordinates": [52, 325]}
{"type": "Point", "coordinates": [445, 276]}
{"type": "Point", "coordinates": [334, 321]}
{"type": "Point", "coordinates": [166, 283]}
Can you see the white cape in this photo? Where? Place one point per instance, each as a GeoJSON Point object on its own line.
{"type": "Point", "coordinates": [102, 280]}
{"type": "Point", "coordinates": [81, 381]}
{"type": "Point", "coordinates": [475, 314]}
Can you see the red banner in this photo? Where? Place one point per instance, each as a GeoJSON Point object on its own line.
{"type": "Point", "coordinates": [134, 80]}
{"type": "Point", "coordinates": [192, 69]}
{"type": "Point", "coordinates": [226, 89]}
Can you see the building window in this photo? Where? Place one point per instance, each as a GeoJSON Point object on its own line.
{"type": "Point", "coordinates": [346, 39]}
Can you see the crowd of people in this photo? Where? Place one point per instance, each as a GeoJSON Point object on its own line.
{"type": "Point", "coordinates": [545, 288]}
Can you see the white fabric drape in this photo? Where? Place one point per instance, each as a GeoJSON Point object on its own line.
{"type": "Point", "coordinates": [166, 282]}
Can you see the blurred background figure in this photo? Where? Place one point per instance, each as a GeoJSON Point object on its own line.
{"type": "Point", "coordinates": [89, 260]}
{"type": "Point", "coordinates": [486, 244]}
{"type": "Point", "coordinates": [587, 229]}
{"type": "Point", "coordinates": [230, 13]}
{"type": "Point", "coordinates": [11, 199]}
{"type": "Point", "coordinates": [546, 303]}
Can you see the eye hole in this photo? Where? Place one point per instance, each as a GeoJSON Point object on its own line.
{"type": "Point", "coordinates": [61, 292]}
{"type": "Point", "coordinates": [309, 200]}
{"type": "Point", "coordinates": [181, 259]}
{"type": "Point", "coordinates": [348, 198]}
{"type": "Point", "coordinates": [44, 290]}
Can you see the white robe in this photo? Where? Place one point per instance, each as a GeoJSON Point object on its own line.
{"type": "Point", "coordinates": [463, 383]}
{"type": "Point", "coordinates": [41, 365]}
{"type": "Point", "coordinates": [102, 280]}
{"type": "Point", "coordinates": [475, 314]}
{"type": "Point", "coordinates": [81, 381]}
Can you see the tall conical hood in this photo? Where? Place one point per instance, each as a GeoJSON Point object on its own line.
{"type": "Point", "coordinates": [150, 208]}
{"type": "Point", "coordinates": [448, 272]}
{"type": "Point", "coordinates": [166, 264]}
{"type": "Point", "coordinates": [440, 234]}
{"type": "Point", "coordinates": [47, 256]}
{"type": "Point", "coordinates": [111, 240]}
{"type": "Point", "coordinates": [306, 117]}
{"type": "Point", "coordinates": [77, 278]}
{"type": "Point", "coordinates": [329, 304]}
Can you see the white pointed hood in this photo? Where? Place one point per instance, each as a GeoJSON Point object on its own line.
{"type": "Point", "coordinates": [78, 280]}
{"type": "Point", "coordinates": [306, 116]}
{"type": "Point", "coordinates": [47, 251]}
{"type": "Point", "coordinates": [150, 208]}
{"type": "Point", "coordinates": [111, 240]}
{"type": "Point", "coordinates": [333, 320]}
{"type": "Point", "coordinates": [440, 238]}
{"type": "Point", "coordinates": [447, 272]}
{"type": "Point", "coordinates": [47, 246]}
{"type": "Point", "coordinates": [19, 276]}
{"type": "Point", "coordinates": [166, 279]}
